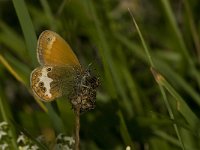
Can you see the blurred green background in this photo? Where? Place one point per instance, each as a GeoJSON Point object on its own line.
{"type": "Point", "coordinates": [133, 107]}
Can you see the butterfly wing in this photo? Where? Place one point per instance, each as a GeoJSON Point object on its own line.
{"type": "Point", "coordinates": [50, 82]}
{"type": "Point", "coordinates": [54, 50]}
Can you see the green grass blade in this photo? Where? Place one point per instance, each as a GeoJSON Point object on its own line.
{"type": "Point", "coordinates": [12, 71]}
{"type": "Point", "coordinates": [193, 28]}
{"type": "Point", "coordinates": [104, 50]}
{"type": "Point", "coordinates": [133, 90]}
{"type": "Point", "coordinates": [179, 38]}
{"type": "Point", "coordinates": [142, 40]}
{"type": "Point", "coordinates": [172, 116]}
{"type": "Point", "coordinates": [48, 13]}
{"type": "Point", "coordinates": [56, 120]}
{"type": "Point", "coordinates": [162, 66]}
{"type": "Point", "coordinates": [27, 28]}
{"type": "Point", "coordinates": [176, 78]}
{"type": "Point", "coordinates": [112, 69]}
{"type": "Point", "coordinates": [182, 107]}
{"type": "Point", "coordinates": [161, 89]}
{"type": "Point", "coordinates": [13, 41]}
{"type": "Point", "coordinates": [124, 131]}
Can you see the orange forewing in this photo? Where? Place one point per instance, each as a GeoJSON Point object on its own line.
{"type": "Point", "coordinates": [54, 50]}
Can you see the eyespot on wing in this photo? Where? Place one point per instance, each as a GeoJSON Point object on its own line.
{"type": "Point", "coordinates": [41, 84]}
{"type": "Point", "coordinates": [51, 82]}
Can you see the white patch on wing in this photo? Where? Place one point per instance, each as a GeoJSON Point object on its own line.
{"type": "Point", "coordinates": [46, 80]}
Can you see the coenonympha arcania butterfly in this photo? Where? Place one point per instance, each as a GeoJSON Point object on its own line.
{"type": "Point", "coordinates": [61, 74]}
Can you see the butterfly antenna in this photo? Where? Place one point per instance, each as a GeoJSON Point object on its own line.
{"type": "Point", "coordinates": [88, 67]}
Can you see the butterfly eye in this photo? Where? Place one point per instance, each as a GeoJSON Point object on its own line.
{"type": "Point", "coordinates": [49, 69]}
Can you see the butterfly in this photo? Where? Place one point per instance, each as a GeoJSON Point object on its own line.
{"type": "Point", "coordinates": [61, 73]}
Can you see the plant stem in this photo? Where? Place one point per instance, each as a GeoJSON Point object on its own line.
{"type": "Point", "coordinates": [77, 124]}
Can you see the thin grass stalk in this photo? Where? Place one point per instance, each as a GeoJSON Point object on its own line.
{"type": "Point", "coordinates": [193, 28]}
{"type": "Point", "coordinates": [160, 64]}
{"type": "Point", "coordinates": [103, 52]}
{"type": "Point", "coordinates": [112, 70]}
{"type": "Point", "coordinates": [136, 101]}
{"type": "Point", "coordinates": [142, 40]}
{"type": "Point", "coordinates": [180, 40]}
{"type": "Point", "coordinates": [162, 91]}
{"type": "Point", "coordinates": [61, 8]}
{"type": "Point", "coordinates": [179, 80]}
{"type": "Point", "coordinates": [11, 70]}
{"type": "Point", "coordinates": [171, 116]}
{"type": "Point", "coordinates": [48, 13]}
{"type": "Point", "coordinates": [182, 106]}
{"type": "Point", "coordinates": [170, 138]}
{"type": "Point", "coordinates": [77, 128]}
{"type": "Point", "coordinates": [124, 131]}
